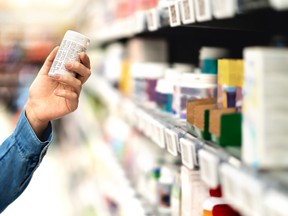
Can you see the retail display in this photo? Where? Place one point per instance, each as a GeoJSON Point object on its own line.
{"type": "Point", "coordinates": [185, 108]}
{"type": "Point", "coordinates": [197, 115]}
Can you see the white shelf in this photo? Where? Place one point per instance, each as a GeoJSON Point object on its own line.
{"type": "Point", "coordinates": [216, 164]}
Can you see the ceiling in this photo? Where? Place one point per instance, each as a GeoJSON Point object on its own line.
{"type": "Point", "coordinates": [52, 15]}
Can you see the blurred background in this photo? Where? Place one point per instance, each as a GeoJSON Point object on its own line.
{"type": "Point", "coordinates": [29, 31]}
{"type": "Point", "coordinates": [137, 145]}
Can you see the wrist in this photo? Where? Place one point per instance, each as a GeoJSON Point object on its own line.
{"type": "Point", "coordinates": [37, 124]}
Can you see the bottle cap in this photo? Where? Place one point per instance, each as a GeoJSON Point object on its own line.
{"type": "Point", "coordinates": [217, 192]}
{"type": "Point", "coordinates": [77, 37]}
{"type": "Point", "coordinates": [224, 210]}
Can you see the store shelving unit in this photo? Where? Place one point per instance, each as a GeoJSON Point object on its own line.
{"type": "Point", "coordinates": [262, 190]}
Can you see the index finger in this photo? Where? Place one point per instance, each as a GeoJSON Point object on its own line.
{"type": "Point", "coordinates": [49, 60]}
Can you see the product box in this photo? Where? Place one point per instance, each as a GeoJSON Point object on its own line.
{"type": "Point", "coordinates": [265, 119]}
{"type": "Point", "coordinates": [225, 127]}
{"type": "Point", "coordinates": [147, 50]}
{"type": "Point", "coordinates": [193, 192]}
{"type": "Point", "coordinates": [230, 82]}
{"type": "Point", "coordinates": [191, 86]}
{"type": "Point", "coordinates": [198, 118]}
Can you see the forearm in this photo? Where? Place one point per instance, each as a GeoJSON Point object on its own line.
{"type": "Point", "coordinates": [20, 155]}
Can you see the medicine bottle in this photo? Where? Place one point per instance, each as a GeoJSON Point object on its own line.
{"type": "Point", "coordinates": [215, 205]}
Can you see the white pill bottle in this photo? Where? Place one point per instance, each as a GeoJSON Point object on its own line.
{"type": "Point", "coordinates": [71, 45]}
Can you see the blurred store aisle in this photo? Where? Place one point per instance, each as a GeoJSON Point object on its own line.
{"type": "Point", "coordinates": [66, 182]}
{"type": "Point", "coordinates": [47, 193]}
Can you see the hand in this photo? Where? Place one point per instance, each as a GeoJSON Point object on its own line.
{"type": "Point", "coordinates": [51, 98]}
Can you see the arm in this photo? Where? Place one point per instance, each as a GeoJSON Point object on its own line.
{"type": "Point", "coordinates": [20, 155]}
{"type": "Point", "coordinates": [49, 99]}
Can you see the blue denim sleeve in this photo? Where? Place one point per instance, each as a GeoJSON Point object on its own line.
{"type": "Point", "coordinates": [20, 155]}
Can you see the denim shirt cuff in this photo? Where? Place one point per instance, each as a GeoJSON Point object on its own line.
{"type": "Point", "coordinates": [29, 143]}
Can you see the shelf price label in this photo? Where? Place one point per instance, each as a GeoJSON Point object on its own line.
{"type": "Point", "coordinates": [229, 177]}
{"type": "Point", "coordinates": [275, 203]}
{"type": "Point", "coordinates": [209, 167]}
{"type": "Point", "coordinates": [189, 151]}
{"type": "Point", "coordinates": [158, 133]}
{"type": "Point", "coordinates": [187, 11]}
{"type": "Point", "coordinates": [174, 14]}
{"type": "Point", "coordinates": [203, 9]}
{"type": "Point", "coordinates": [244, 191]}
{"type": "Point", "coordinates": [147, 124]}
{"type": "Point", "coordinates": [171, 141]}
{"type": "Point", "coordinates": [224, 8]}
{"type": "Point", "coordinates": [153, 19]}
{"type": "Point", "coordinates": [252, 192]}
{"type": "Point", "coordinates": [180, 134]}
{"type": "Point", "coordinates": [154, 131]}
{"type": "Point", "coordinates": [140, 20]}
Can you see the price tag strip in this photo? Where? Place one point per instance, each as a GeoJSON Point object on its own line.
{"type": "Point", "coordinates": [174, 14]}
{"type": "Point", "coordinates": [209, 167]}
{"type": "Point", "coordinates": [189, 154]}
{"type": "Point", "coordinates": [242, 190]}
{"type": "Point", "coordinates": [187, 11]}
{"type": "Point", "coordinates": [203, 9]}
{"type": "Point", "coordinates": [153, 19]}
{"type": "Point", "coordinates": [140, 21]}
{"type": "Point", "coordinates": [171, 140]}
{"type": "Point", "coordinates": [275, 203]}
{"type": "Point", "coordinates": [159, 134]}
{"type": "Point", "coordinates": [181, 134]}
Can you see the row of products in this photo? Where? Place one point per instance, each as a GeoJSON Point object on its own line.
{"type": "Point", "coordinates": [191, 10]}
{"type": "Point", "coordinates": [232, 102]}
{"type": "Point", "coordinates": [164, 186]}
{"type": "Point", "coordinates": [249, 110]}
{"type": "Point", "coordinates": [127, 17]}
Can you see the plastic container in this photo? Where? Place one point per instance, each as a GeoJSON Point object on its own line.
{"type": "Point", "coordinates": [215, 205]}
{"type": "Point", "coordinates": [164, 92]}
{"type": "Point", "coordinates": [72, 44]}
{"type": "Point", "coordinates": [230, 82]}
{"type": "Point", "coordinates": [208, 58]}
{"type": "Point", "coordinates": [145, 77]}
{"type": "Point", "coordinates": [265, 108]}
{"type": "Point", "coordinates": [192, 86]}
{"type": "Point", "coordinates": [164, 188]}
{"type": "Point", "coordinates": [193, 192]}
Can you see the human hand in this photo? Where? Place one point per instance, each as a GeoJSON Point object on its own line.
{"type": "Point", "coordinates": [51, 98]}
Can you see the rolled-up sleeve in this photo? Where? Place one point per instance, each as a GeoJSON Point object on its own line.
{"type": "Point", "coordinates": [20, 155]}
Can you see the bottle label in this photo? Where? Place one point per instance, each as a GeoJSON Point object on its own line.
{"type": "Point", "coordinates": [68, 51]}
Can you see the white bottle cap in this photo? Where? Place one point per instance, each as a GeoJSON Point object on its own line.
{"type": "Point", "coordinates": [77, 37]}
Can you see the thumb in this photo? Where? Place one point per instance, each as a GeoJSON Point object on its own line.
{"type": "Point", "coordinates": [49, 60]}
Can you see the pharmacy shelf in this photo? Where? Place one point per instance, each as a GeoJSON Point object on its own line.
{"type": "Point", "coordinates": [259, 28]}
{"type": "Point", "coordinates": [247, 189]}
{"type": "Point", "coordinates": [217, 165]}
{"type": "Point", "coordinates": [262, 22]}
